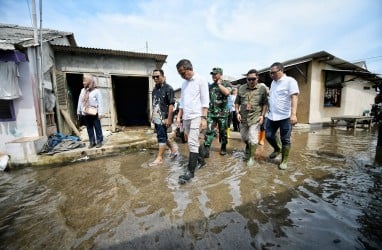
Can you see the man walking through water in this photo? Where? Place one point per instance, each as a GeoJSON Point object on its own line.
{"type": "Point", "coordinates": [193, 109]}
{"type": "Point", "coordinates": [251, 105]}
{"type": "Point", "coordinates": [283, 97]}
{"type": "Point", "coordinates": [217, 113]}
{"type": "Point", "coordinates": [163, 106]}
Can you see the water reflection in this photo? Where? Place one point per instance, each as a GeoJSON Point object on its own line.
{"type": "Point", "coordinates": [328, 198]}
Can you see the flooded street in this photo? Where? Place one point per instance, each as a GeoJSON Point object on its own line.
{"type": "Point", "coordinates": [330, 197]}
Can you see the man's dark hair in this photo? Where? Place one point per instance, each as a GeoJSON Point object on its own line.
{"type": "Point", "coordinates": [280, 66]}
{"type": "Point", "coordinates": [187, 65]}
{"type": "Point", "coordinates": [160, 71]}
{"type": "Point", "coordinates": [252, 71]}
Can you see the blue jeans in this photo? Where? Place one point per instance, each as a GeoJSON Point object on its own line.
{"type": "Point", "coordinates": [161, 133]}
{"type": "Point", "coordinates": [93, 123]}
{"type": "Point", "coordinates": [271, 128]}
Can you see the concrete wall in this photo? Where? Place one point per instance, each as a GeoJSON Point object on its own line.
{"type": "Point", "coordinates": [317, 91]}
{"type": "Point", "coordinates": [104, 67]}
{"type": "Point", "coordinates": [354, 98]}
{"type": "Point", "coordinates": [26, 120]}
{"type": "Point", "coordinates": [27, 107]}
{"type": "Point", "coordinates": [302, 77]}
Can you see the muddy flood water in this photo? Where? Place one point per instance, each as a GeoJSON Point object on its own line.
{"type": "Point", "coordinates": [330, 197]}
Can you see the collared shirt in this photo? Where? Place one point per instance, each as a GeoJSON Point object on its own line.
{"type": "Point", "coordinates": [280, 97]}
{"type": "Point", "coordinates": [162, 98]}
{"type": "Point", "coordinates": [231, 103]}
{"type": "Point", "coordinates": [95, 100]}
{"type": "Point", "coordinates": [251, 102]}
{"type": "Point", "coordinates": [194, 97]}
{"type": "Point", "coordinates": [218, 101]}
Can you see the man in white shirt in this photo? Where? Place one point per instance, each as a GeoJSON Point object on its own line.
{"type": "Point", "coordinates": [283, 97]}
{"type": "Point", "coordinates": [193, 109]}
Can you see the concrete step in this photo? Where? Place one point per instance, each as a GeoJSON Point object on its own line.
{"type": "Point", "coordinates": [24, 150]}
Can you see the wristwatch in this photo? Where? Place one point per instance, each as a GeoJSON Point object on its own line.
{"type": "Point", "coordinates": [204, 117]}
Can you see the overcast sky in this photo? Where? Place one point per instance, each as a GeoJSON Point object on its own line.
{"type": "Point", "coordinates": [236, 35]}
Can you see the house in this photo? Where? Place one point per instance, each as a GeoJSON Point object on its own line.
{"type": "Point", "coordinates": [329, 87]}
{"type": "Point", "coordinates": [38, 101]}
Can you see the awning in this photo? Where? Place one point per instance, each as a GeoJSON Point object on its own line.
{"type": "Point", "coordinates": [366, 75]}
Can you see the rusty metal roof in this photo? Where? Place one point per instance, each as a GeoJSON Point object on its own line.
{"type": "Point", "coordinates": [95, 51]}
{"type": "Point", "coordinates": [15, 37]}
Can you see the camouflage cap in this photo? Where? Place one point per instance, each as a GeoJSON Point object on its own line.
{"type": "Point", "coordinates": [217, 71]}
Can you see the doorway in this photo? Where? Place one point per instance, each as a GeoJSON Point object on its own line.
{"type": "Point", "coordinates": [131, 100]}
{"type": "Point", "coordinates": [74, 83]}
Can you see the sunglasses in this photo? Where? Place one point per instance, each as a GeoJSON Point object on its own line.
{"type": "Point", "coordinates": [251, 79]}
{"type": "Point", "coordinates": [155, 77]}
{"type": "Point", "coordinates": [273, 72]}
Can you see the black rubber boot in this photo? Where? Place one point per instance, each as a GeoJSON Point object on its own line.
{"type": "Point", "coordinates": [223, 149]}
{"type": "Point", "coordinates": [206, 152]}
{"type": "Point", "coordinates": [247, 150]}
{"type": "Point", "coordinates": [189, 174]}
{"type": "Point", "coordinates": [201, 161]}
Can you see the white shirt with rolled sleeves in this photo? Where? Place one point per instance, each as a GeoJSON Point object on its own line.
{"type": "Point", "coordinates": [195, 96]}
{"type": "Point", "coordinates": [280, 97]}
{"type": "Point", "coordinates": [95, 100]}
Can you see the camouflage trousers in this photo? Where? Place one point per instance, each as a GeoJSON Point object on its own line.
{"type": "Point", "coordinates": [215, 124]}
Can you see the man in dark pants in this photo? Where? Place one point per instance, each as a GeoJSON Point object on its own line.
{"type": "Point", "coordinates": [283, 97]}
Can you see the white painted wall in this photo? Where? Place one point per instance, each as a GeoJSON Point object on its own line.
{"type": "Point", "coordinates": [354, 98]}
{"type": "Point", "coordinates": [26, 121]}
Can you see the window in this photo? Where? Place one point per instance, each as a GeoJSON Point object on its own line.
{"type": "Point", "coordinates": [7, 112]}
{"type": "Point", "coordinates": [333, 86]}
{"type": "Point", "coordinates": [332, 97]}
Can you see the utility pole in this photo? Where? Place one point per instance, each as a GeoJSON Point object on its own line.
{"type": "Point", "coordinates": [40, 113]}
{"type": "Point", "coordinates": [41, 79]}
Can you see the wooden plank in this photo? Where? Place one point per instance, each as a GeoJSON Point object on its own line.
{"type": "Point", "coordinates": [66, 116]}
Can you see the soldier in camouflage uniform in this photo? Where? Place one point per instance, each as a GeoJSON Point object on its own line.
{"type": "Point", "coordinates": [217, 112]}
{"type": "Point", "coordinates": [251, 105]}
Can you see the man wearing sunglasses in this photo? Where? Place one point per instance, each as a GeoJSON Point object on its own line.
{"type": "Point", "coordinates": [163, 106]}
{"type": "Point", "coordinates": [251, 105]}
{"type": "Point", "coordinates": [283, 97]}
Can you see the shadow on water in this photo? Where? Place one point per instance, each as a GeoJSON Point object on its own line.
{"type": "Point", "coordinates": [328, 198]}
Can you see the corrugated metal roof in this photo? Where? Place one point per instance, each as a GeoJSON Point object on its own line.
{"type": "Point", "coordinates": [95, 51]}
{"type": "Point", "coordinates": [321, 56]}
{"type": "Point", "coordinates": [329, 59]}
{"type": "Point", "coordinates": [13, 36]}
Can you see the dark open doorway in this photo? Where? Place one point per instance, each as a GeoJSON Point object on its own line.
{"type": "Point", "coordinates": [74, 83]}
{"type": "Point", "coordinates": [131, 100]}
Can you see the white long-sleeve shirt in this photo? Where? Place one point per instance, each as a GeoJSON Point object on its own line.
{"type": "Point", "coordinates": [194, 97]}
{"type": "Point", "coordinates": [95, 100]}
